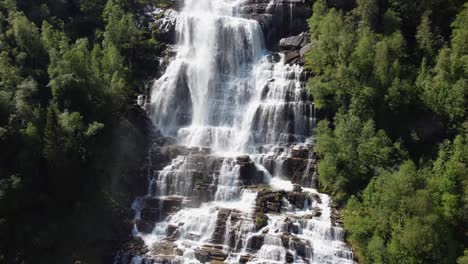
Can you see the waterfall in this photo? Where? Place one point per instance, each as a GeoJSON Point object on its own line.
{"type": "Point", "coordinates": [242, 119]}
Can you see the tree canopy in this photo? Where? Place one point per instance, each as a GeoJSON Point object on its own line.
{"type": "Point", "coordinates": [390, 80]}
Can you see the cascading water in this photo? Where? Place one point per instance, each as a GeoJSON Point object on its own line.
{"type": "Point", "coordinates": [242, 119]}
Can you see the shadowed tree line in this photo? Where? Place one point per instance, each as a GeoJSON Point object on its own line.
{"type": "Point", "coordinates": [69, 72]}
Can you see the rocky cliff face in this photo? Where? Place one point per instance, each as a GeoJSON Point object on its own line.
{"type": "Point", "coordinates": [279, 18]}
{"type": "Point", "coordinates": [284, 23]}
{"type": "Point", "coordinates": [232, 178]}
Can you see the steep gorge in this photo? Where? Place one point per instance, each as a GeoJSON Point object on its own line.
{"type": "Point", "coordinates": [232, 174]}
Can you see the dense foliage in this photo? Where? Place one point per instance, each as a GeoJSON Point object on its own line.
{"type": "Point", "coordinates": [68, 73]}
{"type": "Point", "coordinates": [391, 78]}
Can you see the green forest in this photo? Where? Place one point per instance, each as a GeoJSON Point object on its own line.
{"type": "Point", "coordinates": [390, 78]}
{"type": "Point", "coordinates": [69, 73]}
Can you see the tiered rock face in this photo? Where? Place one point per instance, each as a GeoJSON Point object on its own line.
{"type": "Point", "coordinates": [231, 182]}
{"type": "Point", "coordinates": [275, 224]}
{"type": "Point", "coordinates": [298, 162]}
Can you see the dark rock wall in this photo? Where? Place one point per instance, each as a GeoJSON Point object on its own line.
{"type": "Point", "coordinates": [281, 19]}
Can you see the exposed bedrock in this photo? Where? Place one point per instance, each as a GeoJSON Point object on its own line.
{"type": "Point", "coordinates": [154, 209]}
{"type": "Point", "coordinates": [279, 19]}
{"type": "Point", "coordinates": [248, 172]}
{"type": "Point", "coordinates": [297, 163]}
{"type": "Point", "coordinates": [269, 201]}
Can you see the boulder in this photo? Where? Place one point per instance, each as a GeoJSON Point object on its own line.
{"type": "Point", "coordinates": [202, 255]}
{"type": "Point", "coordinates": [255, 242]}
{"type": "Point", "coordinates": [292, 57]}
{"type": "Point", "coordinates": [295, 42]}
{"type": "Point", "coordinates": [305, 49]}
{"type": "Point", "coordinates": [209, 253]}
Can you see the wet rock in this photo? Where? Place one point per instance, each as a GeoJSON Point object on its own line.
{"type": "Point", "coordinates": [210, 253]}
{"type": "Point", "coordinates": [274, 57]}
{"type": "Point", "coordinates": [192, 236]}
{"type": "Point", "coordinates": [161, 156]}
{"type": "Point", "coordinates": [317, 198]}
{"type": "Point", "coordinates": [202, 255]}
{"type": "Point", "coordinates": [305, 75]}
{"type": "Point", "coordinates": [172, 202]}
{"type": "Point", "coordinates": [218, 255]}
{"type": "Point", "coordinates": [171, 229]}
{"type": "Point", "coordinates": [243, 159]}
{"type": "Point", "coordinates": [285, 238]}
{"type": "Point", "coordinates": [248, 172]}
{"type": "Point", "coordinates": [255, 242]}
{"type": "Point", "coordinates": [178, 252]}
{"type": "Point", "coordinates": [316, 212]}
{"type": "Point", "coordinates": [220, 228]}
{"type": "Point", "coordinates": [295, 42]}
{"type": "Point", "coordinates": [149, 215]}
{"type": "Point", "coordinates": [298, 199]}
{"type": "Point", "coordinates": [300, 153]}
{"type": "Point", "coordinates": [292, 57]}
{"type": "Point", "coordinates": [244, 259]}
{"type": "Point", "coordinates": [155, 209]}
{"type": "Point", "coordinates": [294, 169]}
{"type": "Point", "coordinates": [203, 192]}
{"type": "Point", "coordinates": [297, 188]}
{"type": "Point", "coordinates": [292, 226]}
{"type": "Point", "coordinates": [301, 246]}
{"type": "Point", "coordinates": [165, 248]}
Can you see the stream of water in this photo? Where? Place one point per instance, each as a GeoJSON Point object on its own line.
{"type": "Point", "coordinates": [251, 113]}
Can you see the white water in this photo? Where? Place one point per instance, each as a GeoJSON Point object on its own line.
{"type": "Point", "coordinates": [224, 91]}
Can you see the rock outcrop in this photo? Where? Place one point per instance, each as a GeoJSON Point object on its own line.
{"type": "Point", "coordinates": [280, 18]}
